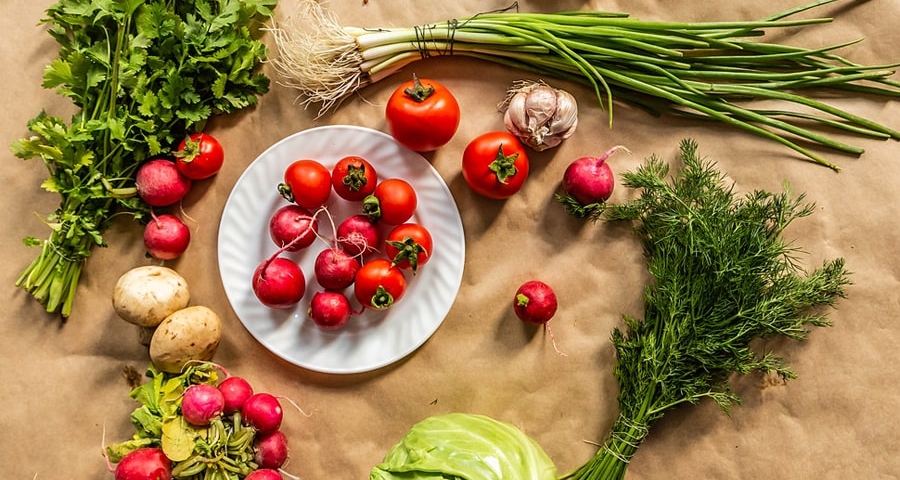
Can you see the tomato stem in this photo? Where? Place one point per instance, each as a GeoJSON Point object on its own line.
{"type": "Point", "coordinates": [504, 166]}
{"type": "Point", "coordinates": [371, 207]}
{"type": "Point", "coordinates": [190, 151]}
{"type": "Point", "coordinates": [407, 249]}
{"type": "Point", "coordinates": [285, 191]}
{"type": "Point", "coordinates": [355, 179]}
{"type": "Point", "coordinates": [418, 92]}
{"type": "Point", "coordinates": [382, 298]}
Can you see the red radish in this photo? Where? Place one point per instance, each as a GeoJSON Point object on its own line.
{"type": "Point", "coordinates": [146, 463]}
{"type": "Point", "coordinates": [335, 269]}
{"type": "Point", "coordinates": [166, 237]}
{"type": "Point", "coordinates": [201, 403]}
{"type": "Point", "coordinates": [271, 450]}
{"type": "Point", "coordinates": [535, 303]}
{"type": "Point", "coordinates": [293, 227]}
{"type": "Point", "coordinates": [590, 179]}
{"type": "Point", "coordinates": [330, 310]}
{"type": "Point", "coordinates": [235, 391]}
{"type": "Point", "coordinates": [279, 283]}
{"type": "Point", "coordinates": [263, 412]}
{"type": "Point", "coordinates": [264, 474]}
{"type": "Point", "coordinates": [358, 235]}
{"type": "Point", "coordinates": [159, 183]}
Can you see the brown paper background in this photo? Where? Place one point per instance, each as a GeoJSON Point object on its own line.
{"type": "Point", "coordinates": [62, 386]}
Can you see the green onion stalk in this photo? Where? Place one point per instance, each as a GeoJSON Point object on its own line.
{"type": "Point", "coordinates": [711, 70]}
{"type": "Point", "coordinates": [142, 74]}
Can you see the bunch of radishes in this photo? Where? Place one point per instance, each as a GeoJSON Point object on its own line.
{"type": "Point", "coordinates": [162, 183]}
{"type": "Point", "coordinates": [371, 250]}
{"type": "Point", "coordinates": [213, 430]}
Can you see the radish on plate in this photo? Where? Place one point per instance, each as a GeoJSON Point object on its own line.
{"type": "Point", "coordinates": [279, 283]}
{"type": "Point", "coordinates": [293, 228]}
{"type": "Point", "coordinates": [335, 268]}
{"type": "Point", "coordinates": [330, 310]}
{"type": "Point", "coordinates": [358, 235]}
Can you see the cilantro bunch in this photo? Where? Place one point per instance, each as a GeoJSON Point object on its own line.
{"type": "Point", "coordinates": [143, 75]}
{"type": "Point", "coordinates": [722, 277]}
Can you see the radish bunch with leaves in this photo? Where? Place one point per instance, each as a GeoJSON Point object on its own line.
{"type": "Point", "coordinates": [198, 426]}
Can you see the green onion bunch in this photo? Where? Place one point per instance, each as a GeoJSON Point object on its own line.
{"type": "Point", "coordinates": [713, 70]}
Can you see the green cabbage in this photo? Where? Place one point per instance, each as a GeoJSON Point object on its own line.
{"type": "Point", "coordinates": [459, 446]}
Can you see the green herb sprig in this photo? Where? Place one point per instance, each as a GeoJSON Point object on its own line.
{"type": "Point", "coordinates": [143, 75]}
{"type": "Point", "coordinates": [722, 277]}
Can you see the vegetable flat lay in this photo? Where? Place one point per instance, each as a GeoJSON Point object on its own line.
{"type": "Point", "coordinates": [619, 240]}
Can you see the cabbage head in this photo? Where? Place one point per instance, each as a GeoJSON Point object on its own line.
{"type": "Point", "coordinates": [460, 446]}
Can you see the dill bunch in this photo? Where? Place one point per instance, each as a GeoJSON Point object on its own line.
{"type": "Point", "coordinates": [722, 277]}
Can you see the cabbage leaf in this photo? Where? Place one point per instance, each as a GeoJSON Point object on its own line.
{"type": "Point", "coordinates": [461, 446]}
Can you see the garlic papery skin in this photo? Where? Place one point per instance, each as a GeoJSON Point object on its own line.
{"type": "Point", "coordinates": [539, 115]}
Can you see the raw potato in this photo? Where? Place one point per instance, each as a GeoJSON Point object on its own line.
{"type": "Point", "coordinates": [146, 295]}
{"type": "Point", "coordinates": [192, 333]}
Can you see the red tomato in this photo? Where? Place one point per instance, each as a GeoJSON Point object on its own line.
{"type": "Point", "coordinates": [199, 156]}
{"type": "Point", "coordinates": [393, 202]}
{"type": "Point", "coordinates": [379, 284]}
{"type": "Point", "coordinates": [353, 178]}
{"type": "Point", "coordinates": [409, 246]}
{"type": "Point", "coordinates": [422, 115]}
{"type": "Point", "coordinates": [306, 183]}
{"type": "Point", "coordinates": [495, 165]}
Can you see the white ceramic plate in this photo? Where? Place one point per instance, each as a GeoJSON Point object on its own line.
{"type": "Point", "coordinates": [372, 339]}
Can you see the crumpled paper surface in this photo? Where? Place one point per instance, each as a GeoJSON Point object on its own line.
{"type": "Point", "coordinates": [63, 387]}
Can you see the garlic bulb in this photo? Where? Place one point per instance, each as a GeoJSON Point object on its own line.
{"type": "Point", "coordinates": [540, 115]}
